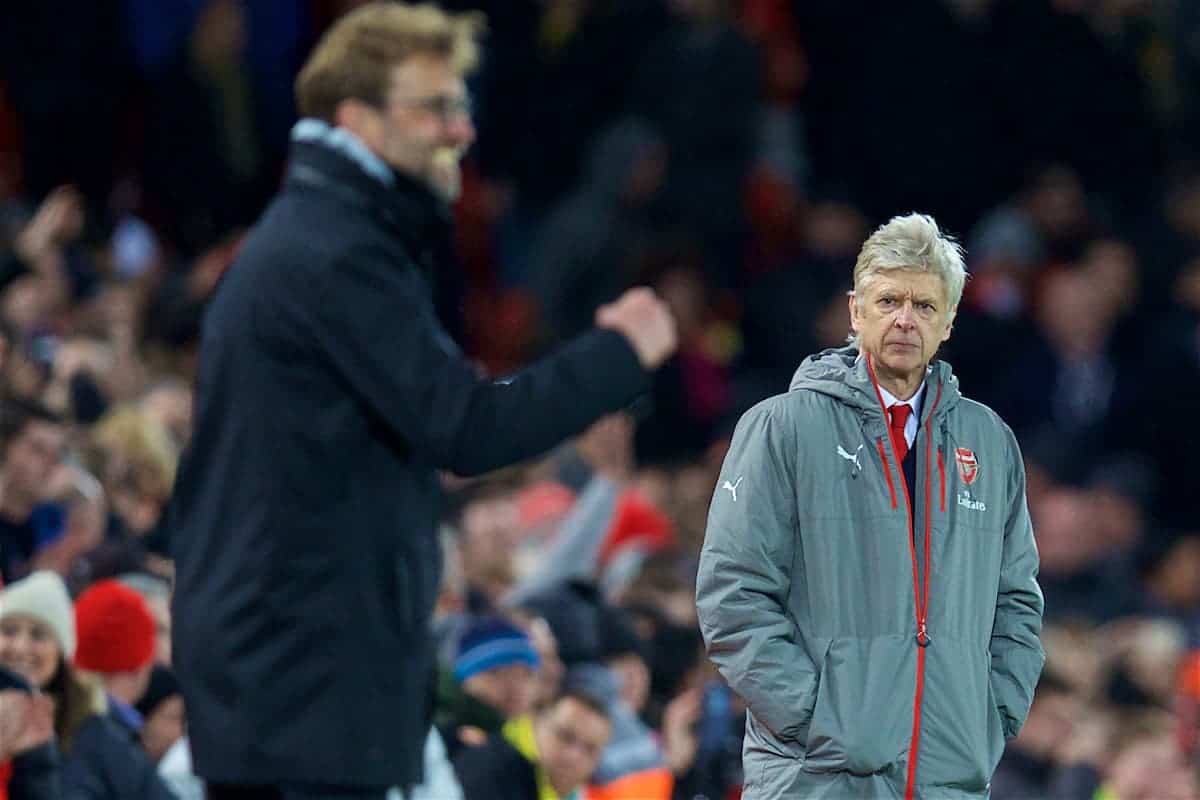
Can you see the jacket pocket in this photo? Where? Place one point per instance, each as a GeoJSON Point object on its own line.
{"type": "Point", "coordinates": [961, 738]}
{"type": "Point", "coordinates": [765, 743]}
{"type": "Point", "coordinates": [862, 717]}
{"type": "Point", "coordinates": [769, 764]}
{"type": "Point", "coordinates": [996, 738]}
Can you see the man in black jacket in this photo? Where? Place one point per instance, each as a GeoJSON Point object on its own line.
{"type": "Point", "coordinates": [304, 518]}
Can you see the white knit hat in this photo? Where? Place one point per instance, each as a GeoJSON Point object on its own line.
{"type": "Point", "coordinates": [44, 597]}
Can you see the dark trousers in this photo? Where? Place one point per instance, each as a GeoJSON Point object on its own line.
{"type": "Point", "coordinates": [291, 792]}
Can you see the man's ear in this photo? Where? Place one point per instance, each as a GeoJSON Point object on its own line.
{"type": "Point", "coordinates": [852, 304]}
{"type": "Point", "coordinates": [359, 118]}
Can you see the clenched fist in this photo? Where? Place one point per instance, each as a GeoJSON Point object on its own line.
{"type": "Point", "coordinates": [642, 318]}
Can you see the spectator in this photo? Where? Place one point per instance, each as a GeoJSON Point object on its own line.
{"type": "Point", "coordinates": [38, 641]}
{"type": "Point", "coordinates": [550, 757]}
{"type": "Point", "coordinates": [492, 682]}
{"type": "Point", "coordinates": [691, 392]}
{"type": "Point", "coordinates": [135, 457]}
{"type": "Point", "coordinates": [1168, 568]}
{"type": "Point", "coordinates": [550, 672]}
{"type": "Point", "coordinates": [1075, 358]}
{"type": "Point", "coordinates": [168, 403]}
{"type": "Point", "coordinates": [204, 154]}
{"type": "Point", "coordinates": [605, 657]}
{"type": "Point", "coordinates": [31, 444]}
{"type": "Point", "coordinates": [161, 710]}
{"type": "Point", "coordinates": [782, 307]}
{"type": "Point", "coordinates": [156, 592]}
{"type": "Point", "coordinates": [486, 522]}
{"type": "Point", "coordinates": [29, 758]}
{"type": "Point", "coordinates": [1081, 577]}
{"type": "Point", "coordinates": [590, 246]}
{"type": "Point", "coordinates": [72, 550]}
{"type": "Point", "coordinates": [116, 644]}
{"type": "Point", "coordinates": [700, 84]}
{"type": "Point", "coordinates": [1146, 763]}
{"type": "Point", "coordinates": [117, 638]}
{"type": "Point", "coordinates": [1057, 753]}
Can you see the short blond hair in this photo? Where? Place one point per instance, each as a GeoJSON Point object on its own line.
{"type": "Point", "coordinates": [912, 242]}
{"type": "Point", "coordinates": [355, 57]}
{"type": "Point", "coordinates": [139, 450]}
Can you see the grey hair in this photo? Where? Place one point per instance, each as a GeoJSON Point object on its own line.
{"type": "Point", "coordinates": [911, 242]}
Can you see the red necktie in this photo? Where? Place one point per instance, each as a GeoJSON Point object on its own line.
{"type": "Point", "coordinates": [899, 414]}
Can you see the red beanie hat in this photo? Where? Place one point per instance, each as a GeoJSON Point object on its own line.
{"type": "Point", "coordinates": [115, 629]}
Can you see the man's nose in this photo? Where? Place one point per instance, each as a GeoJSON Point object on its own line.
{"type": "Point", "coordinates": [461, 130]}
{"type": "Point", "coordinates": [905, 317]}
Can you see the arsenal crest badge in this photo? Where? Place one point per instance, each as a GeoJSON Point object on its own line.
{"type": "Point", "coordinates": [968, 466]}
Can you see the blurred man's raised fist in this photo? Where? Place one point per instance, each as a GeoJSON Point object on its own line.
{"type": "Point", "coordinates": [645, 321]}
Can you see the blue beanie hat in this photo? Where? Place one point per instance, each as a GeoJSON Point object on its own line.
{"type": "Point", "coordinates": [491, 643]}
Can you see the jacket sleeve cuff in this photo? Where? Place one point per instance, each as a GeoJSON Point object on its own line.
{"type": "Point", "coordinates": [619, 370]}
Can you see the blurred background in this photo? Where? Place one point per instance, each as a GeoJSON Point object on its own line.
{"type": "Point", "coordinates": [733, 154]}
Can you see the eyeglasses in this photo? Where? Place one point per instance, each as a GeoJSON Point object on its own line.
{"type": "Point", "coordinates": [446, 106]}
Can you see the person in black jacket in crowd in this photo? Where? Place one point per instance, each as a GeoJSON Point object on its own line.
{"type": "Point", "coordinates": [98, 758]}
{"type": "Point", "coordinates": [29, 757]}
{"type": "Point", "coordinates": [552, 753]}
{"type": "Point", "coordinates": [304, 516]}
{"type": "Point", "coordinates": [492, 682]}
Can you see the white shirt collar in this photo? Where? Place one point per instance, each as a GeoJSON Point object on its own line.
{"type": "Point", "coordinates": [914, 419]}
{"type": "Point", "coordinates": [890, 399]}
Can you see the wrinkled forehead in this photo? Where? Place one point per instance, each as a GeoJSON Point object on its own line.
{"type": "Point", "coordinates": [916, 283]}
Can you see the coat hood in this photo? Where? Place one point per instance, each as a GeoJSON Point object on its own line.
{"type": "Point", "coordinates": [841, 373]}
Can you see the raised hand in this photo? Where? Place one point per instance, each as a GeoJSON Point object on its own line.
{"type": "Point", "coordinates": [645, 321]}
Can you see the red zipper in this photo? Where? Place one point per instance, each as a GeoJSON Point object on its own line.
{"type": "Point", "coordinates": [923, 616]}
{"type": "Point", "coordinates": [920, 593]}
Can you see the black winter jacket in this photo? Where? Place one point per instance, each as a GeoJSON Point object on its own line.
{"type": "Point", "coordinates": [304, 516]}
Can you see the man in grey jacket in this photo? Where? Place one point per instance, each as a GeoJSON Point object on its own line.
{"type": "Point", "coordinates": [868, 578]}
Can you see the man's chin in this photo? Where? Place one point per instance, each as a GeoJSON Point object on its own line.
{"type": "Point", "coordinates": [445, 175]}
{"type": "Point", "coordinates": [901, 361]}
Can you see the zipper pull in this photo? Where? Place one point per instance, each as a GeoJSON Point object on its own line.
{"type": "Point", "coordinates": [923, 639]}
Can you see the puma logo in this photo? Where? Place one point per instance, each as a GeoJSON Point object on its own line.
{"type": "Point", "coordinates": [733, 487]}
{"type": "Point", "coordinates": [842, 452]}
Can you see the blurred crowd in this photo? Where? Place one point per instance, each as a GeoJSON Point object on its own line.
{"type": "Point", "coordinates": [733, 154]}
